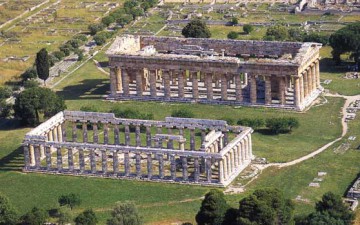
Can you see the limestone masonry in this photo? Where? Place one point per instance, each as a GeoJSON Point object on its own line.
{"type": "Point", "coordinates": [233, 72]}
{"type": "Point", "coordinates": [182, 150]}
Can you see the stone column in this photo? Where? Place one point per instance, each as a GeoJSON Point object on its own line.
{"type": "Point", "coordinates": [302, 94]}
{"type": "Point", "coordinates": [81, 160]}
{"type": "Point", "coordinates": [313, 76]}
{"type": "Point", "coordinates": [170, 143]}
{"type": "Point", "coordinates": [137, 136]}
{"type": "Point", "coordinates": [245, 79]}
{"type": "Point", "coordinates": [224, 87]}
{"type": "Point", "coordinates": [70, 159]}
{"type": "Point", "coordinates": [195, 85]}
{"type": "Point", "coordinates": [37, 156]}
{"type": "Point", "coordinates": [59, 159]}
{"type": "Point", "coordinates": [50, 135]}
{"type": "Point", "coordinates": [42, 152]}
{"type": "Point", "coordinates": [115, 163]}
{"type": "Point", "coordinates": [138, 164]}
{"type": "Point", "coordinates": [125, 82]}
{"type": "Point", "coordinates": [152, 79]}
{"type": "Point", "coordinates": [226, 137]}
{"type": "Point", "coordinates": [118, 79]}
{"type": "Point", "coordinates": [148, 136]}
{"type": "Point", "coordinates": [310, 81]}
{"type": "Point", "coordinates": [116, 135]}
{"type": "Point", "coordinates": [235, 157]}
{"type": "Point", "coordinates": [192, 139]}
{"type": "Point", "coordinates": [225, 167]}
{"type": "Point", "coordinates": [112, 81]}
{"type": "Point", "coordinates": [208, 169]}
{"type": "Point", "coordinates": [85, 133]}
{"type": "Point", "coordinates": [268, 90]}
{"type": "Point", "coordinates": [95, 133]}
{"type": "Point", "coordinates": [48, 158]}
{"type": "Point", "coordinates": [253, 89]}
{"type": "Point", "coordinates": [55, 137]}
{"type": "Point", "coordinates": [317, 72]}
{"type": "Point", "coordinates": [161, 166]}
{"type": "Point", "coordinates": [127, 164]}
{"type": "Point", "coordinates": [159, 131]}
{"type": "Point", "coordinates": [306, 86]}
{"type": "Point", "coordinates": [209, 87]}
{"type": "Point", "coordinates": [181, 84]}
{"type": "Point", "coordinates": [127, 135]}
{"type": "Point", "coordinates": [74, 132]}
{"type": "Point", "coordinates": [238, 88]}
{"type": "Point", "coordinates": [221, 171]}
{"type": "Point", "coordinates": [196, 169]}
{"type": "Point", "coordinates": [297, 93]}
{"type": "Point", "coordinates": [149, 166]}
{"type": "Point", "coordinates": [106, 133]}
{"type": "Point", "coordinates": [184, 168]}
{"type": "Point", "coordinates": [92, 161]}
{"type": "Point", "coordinates": [139, 82]}
{"type": "Point", "coordinates": [63, 129]}
{"type": "Point", "coordinates": [32, 155]}
{"type": "Point", "coordinates": [173, 167]}
{"type": "Point", "coordinates": [60, 133]}
{"type": "Point", "coordinates": [250, 146]}
{"type": "Point", "coordinates": [282, 91]}
{"type": "Point", "coordinates": [167, 89]}
{"type": "Point", "coordinates": [104, 161]}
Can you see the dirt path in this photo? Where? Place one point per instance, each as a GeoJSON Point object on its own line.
{"type": "Point", "coordinates": [348, 101]}
{"type": "Point", "coordinates": [98, 66]}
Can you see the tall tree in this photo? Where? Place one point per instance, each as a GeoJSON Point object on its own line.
{"type": "Point", "coordinates": [33, 102]}
{"type": "Point", "coordinates": [213, 209]}
{"type": "Point", "coordinates": [196, 29]}
{"type": "Point", "coordinates": [42, 64]}
{"type": "Point", "coordinates": [8, 215]}
{"type": "Point", "coordinates": [125, 214]}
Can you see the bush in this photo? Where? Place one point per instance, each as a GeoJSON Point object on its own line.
{"type": "Point", "coordinates": [5, 111]}
{"type": "Point", "coordinates": [196, 29]}
{"type": "Point", "coordinates": [107, 20]}
{"type": "Point", "coordinates": [29, 74]}
{"type": "Point", "coordinates": [316, 37]}
{"type": "Point", "coordinates": [229, 121]}
{"type": "Point", "coordinates": [5, 92]}
{"type": "Point", "coordinates": [253, 123]}
{"type": "Point", "coordinates": [131, 114]}
{"type": "Point", "coordinates": [248, 28]}
{"type": "Point", "coordinates": [94, 28]}
{"type": "Point", "coordinates": [89, 108]}
{"type": "Point", "coordinates": [277, 32]}
{"type": "Point", "coordinates": [87, 217]}
{"type": "Point", "coordinates": [234, 21]}
{"type": "Point", "coordinates": [184, 113]}
{"type": "Point", "coordinates": [282, 125]}
{"type": "Point", "coordinates": [81, 37]}
{"type": "Point", "coordinates": [100, 39]}
{"type": "Point", "coordinates": [31, 84]}
{"type": "Point", "coordinates": [232, 35]}
{"type": "Point", "coordinates": [59, 55]}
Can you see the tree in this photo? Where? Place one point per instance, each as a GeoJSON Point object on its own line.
{"type": "Point", "coordinates": [8, 215]}
{"type": "Point", "coordinates": [233, 35]}
{"type": "Point", "coordinates": [87, 217]}
{"type": "Point", "coordinates": [64, 216]}
{"type": "Point", "coordinates": [107, 20]}
{"type": "Point", "coordinates": [183, 113]}
{"type": "Point", "coordinates": [296, 34]}
{"type": "Point", "coordinates": [316, 37]}
{"type": "Point", "coordinates": [125, 214]}
{"type": "Point", "coordinates": [35, 217]}
{"type": "Point", "coordinates": [346, 40]}
{"type": "Point", "coordinates": [234, 21]}
{"type": "Point", "coordinates": [42, 64]}
{"type": "Point", "coordinates": [333, 205]}
{"type": "Point", "coordinates": [247, 28]}
{"type": "Point", "coordinates": [277, 32]}
{"type": "Point", "coordinates": [29, 74]}
{"type": "Point", "coordinates": [70, 200]}
{"type": "Point", "coordinates": [213, 209]}
{"type": "Point", "coordinates": [94, 28]}
{"type": "Point", "coordinates": [267, 207]}
{"type": "Point", "coordinates": [32, 102]}
{"type": "Point", "coordinates": [100, 39]}
{"type": "Point", "coordinates": [196, 29]}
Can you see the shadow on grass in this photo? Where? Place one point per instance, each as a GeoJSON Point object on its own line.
{"type": "Point", "coordinates": [329, 66]}
{"type": "Point", "coordinates": [87, 89]}
{"type": "Point", "coordinates": [10, 124]}
{"type": "Point", "coordinates": [13, 162]}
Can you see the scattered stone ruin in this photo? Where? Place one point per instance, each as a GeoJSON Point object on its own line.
{"type": "Point", "coordinates": [354, 191]}
{"type": "Point", "coordinates": [213, 71]}
{"type": "Point", "coordinates": [180, 150]}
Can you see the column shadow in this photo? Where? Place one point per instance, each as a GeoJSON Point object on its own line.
{"type": "Point", "coordinates": [13, 161]}
{"type": "Point", "coordinates": [87, 89]}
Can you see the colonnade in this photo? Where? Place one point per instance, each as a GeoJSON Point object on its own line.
{"type": "Point", "coordinates": [163, 154]}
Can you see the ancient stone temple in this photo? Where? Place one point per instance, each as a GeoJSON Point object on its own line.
{"type": "Point", "coordinates": [234, 72]}
{"type": "Point", "coordinates": [181, 150]}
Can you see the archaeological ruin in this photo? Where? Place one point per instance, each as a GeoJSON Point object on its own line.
{"type": "Point", "coordinates": [179, 150]}
{"type": "Point", "coordinates": [213, 71]}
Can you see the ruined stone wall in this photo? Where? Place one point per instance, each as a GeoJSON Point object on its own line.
{"type": "Point", "coordinates": [232, 47]}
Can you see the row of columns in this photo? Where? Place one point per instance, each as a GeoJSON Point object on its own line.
{"type": "Point", "coordinates": [240, 153]}
{"type": "Point", "coordinates": [35, 163]}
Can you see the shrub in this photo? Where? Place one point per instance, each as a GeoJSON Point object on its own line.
{"type": "Point", "coordinates": [131, 114]}
{"type": "Point", "coordinates": [89, 108]}
{"type": "Point", "coordinates": [248, 28]}
{"type": "Point", "coordinates": [59, 54]}
{"type": "Point", "coordinates": [5, 92]}
{"type": "Point", "coordinates": [31, 83]}
{"type": "Point", "coordinates": [232, 35]}
{"type": "Point", "coordinates": [281, 125]}
{"type": "Point", "coordinates": [81, 37]}
{"type": "Point", "coordinates": [94, 28]}
{"type": "Point", "coordinates": [253, 123]}
{"type": "Point", "coordinates": [229, 121]}
{"type": "Point", "coordinates": [29, 74]}
{"type": "Point", "coordinates": [234, 21]}
{"type": "Point", "coordinates": [100, 39]}
{"type": "Point", "coordinates": [184, 113]}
